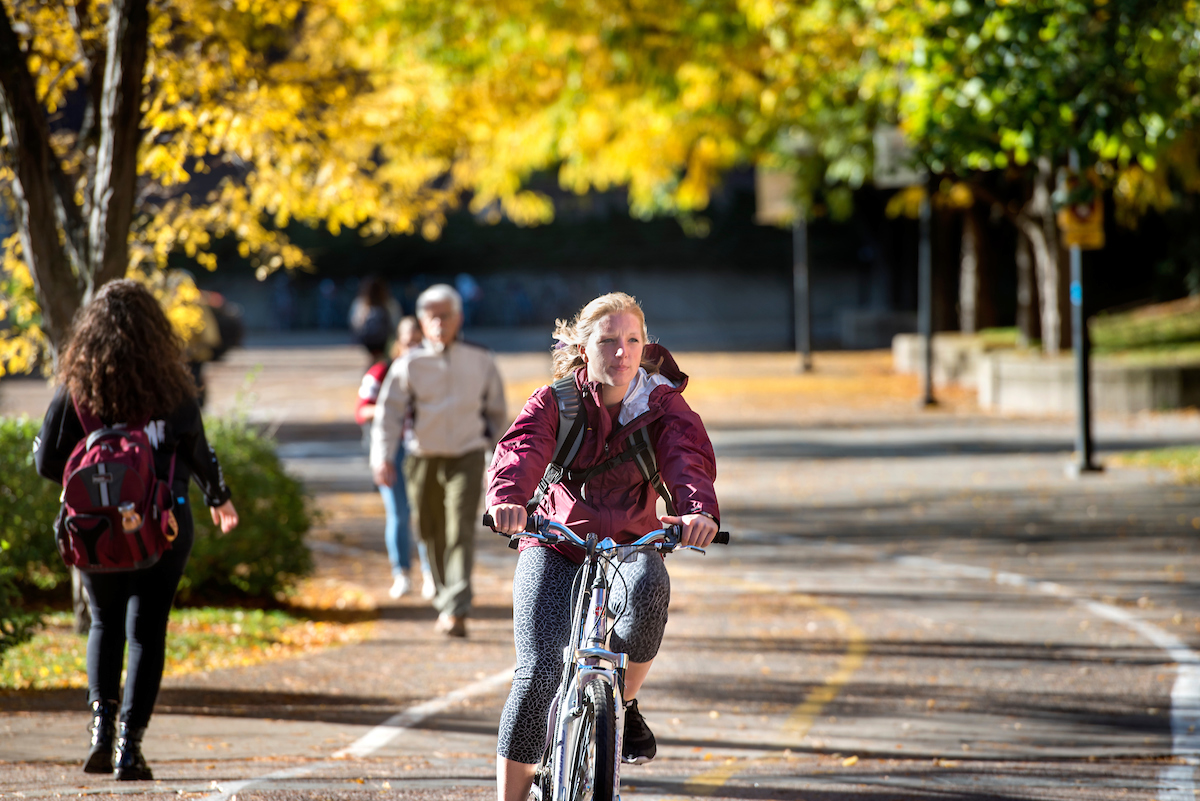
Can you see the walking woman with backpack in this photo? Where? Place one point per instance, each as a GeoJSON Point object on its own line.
{"type": "Point", "coordinates": [123, 377]}
{"type": "Point", "coordinates": [624, 386]}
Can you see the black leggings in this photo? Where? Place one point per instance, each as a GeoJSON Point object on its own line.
{"type": "Point", "coordinates": [134, 606]}
{"type": "Point", "coordinates": [641, 593]}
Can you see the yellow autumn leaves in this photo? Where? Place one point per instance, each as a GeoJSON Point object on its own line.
{"type": "Point", "coordinates": [382, 116]}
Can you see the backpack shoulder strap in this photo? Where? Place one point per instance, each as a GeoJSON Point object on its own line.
{"type": "Point", "coordinates": [647, 464]}
{"type": "Point", "coordinates": [571, 424]}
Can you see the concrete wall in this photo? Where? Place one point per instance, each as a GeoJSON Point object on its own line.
{"type": "Point", "coordinates": [1010, 382]}
{"type": "Point", "coordinates": [955, 357]}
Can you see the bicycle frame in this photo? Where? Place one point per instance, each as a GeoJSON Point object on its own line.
{"type": "Point", "coordinates": [588, 660]}
{"type": "Point", "coordinates": [589, 664]}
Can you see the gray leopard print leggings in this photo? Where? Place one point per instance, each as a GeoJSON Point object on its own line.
{"type": "Point", "coordinates": [641, 592]}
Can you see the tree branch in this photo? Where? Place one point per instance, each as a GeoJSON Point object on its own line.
{"type": "Point", "coordinates": [79, 14]}
{"type": "Point", "coordinates": [61, 73]}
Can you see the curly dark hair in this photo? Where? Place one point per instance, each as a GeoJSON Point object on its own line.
{"type": "Point", "coordinates": [124, 361]}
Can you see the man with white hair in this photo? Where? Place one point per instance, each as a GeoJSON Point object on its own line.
{"type": "Point", "coordinates": [451, 393]}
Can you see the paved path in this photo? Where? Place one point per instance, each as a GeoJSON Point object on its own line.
{"type": "Point", "coordinates": [916, 606]}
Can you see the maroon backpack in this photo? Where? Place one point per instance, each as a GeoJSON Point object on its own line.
{"type": "Point", "coordinates": [116, 514]}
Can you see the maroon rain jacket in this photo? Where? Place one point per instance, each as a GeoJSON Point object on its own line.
{"type": "Point", "coordinates": [617, 503]}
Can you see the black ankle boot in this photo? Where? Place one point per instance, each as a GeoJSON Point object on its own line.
{"type": "Point", "coordinates": [131, 765]}
{"type": "Point", "coordinates": [104, 730]}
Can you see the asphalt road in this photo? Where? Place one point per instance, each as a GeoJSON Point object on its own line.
{"type": "Point", "coordinates": [915, 606]}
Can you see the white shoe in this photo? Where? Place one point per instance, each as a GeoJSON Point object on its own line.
{"type": "Point", "coordinates": [400, 586]}
{"type": "Point", "coordinates": [428, 589]}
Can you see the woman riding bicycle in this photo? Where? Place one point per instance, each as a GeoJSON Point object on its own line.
{"type": "Point", "coordinates": [626, 385]}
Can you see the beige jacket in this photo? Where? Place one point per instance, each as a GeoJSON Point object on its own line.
{"type": "Point", "coordinates": [455, 399]}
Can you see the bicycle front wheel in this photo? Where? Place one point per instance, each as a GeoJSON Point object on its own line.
{"type": "Point", "coordinates": [593, 775]}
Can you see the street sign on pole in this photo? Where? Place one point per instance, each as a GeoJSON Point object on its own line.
{"type": "Point", "coordinates": [775, 197]}
{"type": "Point", "coordinates": [803, 302]}
{"type": "Point", "coordinates": [895, 168]}
{"type": "Point", "coordinates": [925, 302]}
{"type": "Point", "coordinates": [1082, 348]}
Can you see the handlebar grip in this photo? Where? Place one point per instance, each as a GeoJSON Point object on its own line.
{"type": "Point", "coordinates": [490, 522]}
{"type": "Point", "coordinates": [722, 538]}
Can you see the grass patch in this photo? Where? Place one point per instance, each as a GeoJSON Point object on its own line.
{"type": "Point", "coordinates": [1153, 326]}
{"type": "Point", "coordinates": [999, 338]}
{"type": "Point", "coordinates": [1163, 354]}
{"type": "Point", "coordinates": [198, 639]}
{"type": "Point", "coordinates": [1183, 461]}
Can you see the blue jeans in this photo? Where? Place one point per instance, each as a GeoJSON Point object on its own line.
{"type": "Point", "coordinates": [396, 531]}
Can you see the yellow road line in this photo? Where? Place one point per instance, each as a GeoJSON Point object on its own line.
{"type": "Point", "coordinates": [805, 714]}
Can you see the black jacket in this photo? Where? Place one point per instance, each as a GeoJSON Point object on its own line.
{"type": "Point", "coordinates": [180, 433]}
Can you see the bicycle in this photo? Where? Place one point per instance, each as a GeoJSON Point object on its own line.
{"type": "Point", "coordinates": [586, 721]}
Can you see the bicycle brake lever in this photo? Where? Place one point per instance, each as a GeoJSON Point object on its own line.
{"type": "Point", "coordinates": [700, 551]}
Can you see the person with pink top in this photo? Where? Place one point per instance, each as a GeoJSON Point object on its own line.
{"type": "Point", "coordinates": [397, 527]}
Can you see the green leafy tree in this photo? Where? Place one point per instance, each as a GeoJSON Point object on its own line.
{"type": "Point", "coordinates": [1007, 89]}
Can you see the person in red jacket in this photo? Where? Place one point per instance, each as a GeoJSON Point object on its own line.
{"type": "Point", "coordinates": [626, 384]}
{"type": "Point", "coordinates": [396, 532]}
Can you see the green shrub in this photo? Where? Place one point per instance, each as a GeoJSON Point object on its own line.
{"type": "Point", "coordinates": [28, 505]}
{"type": "Point", "coordinates": [17, 624]}
{"type": "Point", "coordinates": [266, 553]}
{"type": "Point", "coordinates": [261, 558]}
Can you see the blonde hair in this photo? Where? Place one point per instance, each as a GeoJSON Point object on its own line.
{"type": "Point", "coordinates": [575, 334]}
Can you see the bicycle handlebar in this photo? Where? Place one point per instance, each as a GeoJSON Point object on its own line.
{"type": "Point", "coordinates": [548, 531]}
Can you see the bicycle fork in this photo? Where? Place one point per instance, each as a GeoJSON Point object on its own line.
{"type": "Point", "coordinates": [593, 661]}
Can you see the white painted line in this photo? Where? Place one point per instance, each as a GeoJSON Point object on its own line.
{"type": "Point", "coordinates": [391, 728]}
{"type": "Point", "coordinates": [1176, 782]}
{"type": "Point", "coordinates": [377, 737]}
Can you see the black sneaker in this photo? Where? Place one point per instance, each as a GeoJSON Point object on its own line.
{"type": "Point", "coordinates": [637, 746]}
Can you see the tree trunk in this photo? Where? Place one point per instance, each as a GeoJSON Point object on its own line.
{"type": "Point", "coordinates": [1045, 257]}
{"type": "Point", "coordinates": [34, 188]}
{"type": "Point", "coordinates": [1026, 290]}
{"type": "Point", "coordinates": [968, 281]}
{"type": "Point", "coordinates": [120, 118]}
{"type": "Point", "coordinates": [72, 250]}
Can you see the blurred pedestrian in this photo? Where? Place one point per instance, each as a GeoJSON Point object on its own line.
{"type": "Point", "coordinates": [471, 294]}
{"type": "Point", "coordinates": [395, 499]}
{"type": "Point", "coordinates": [326, 303]}
{"type": "Point", "coordinates": [124, 366]}
{"type": "Point", "coordinates": [373, 314]}
{"type": "Point", "coordinates": [283, 299]}
{"type": "Point", "coordinates": [451, 391]}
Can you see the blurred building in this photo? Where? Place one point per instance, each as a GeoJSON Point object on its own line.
{"type": "Point", "coordinates": [730, 289]}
